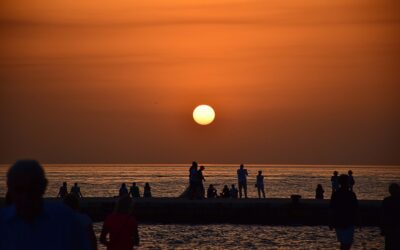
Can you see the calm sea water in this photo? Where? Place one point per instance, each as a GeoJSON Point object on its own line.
{"type": "Point", "coordinates": [281, 181]}
{"type": "Point", "coordinates": [225, 236]}
{"type": "Point", "coordinates": [171, 180]}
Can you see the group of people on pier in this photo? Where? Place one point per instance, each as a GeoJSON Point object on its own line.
{"type": "Point", "coordinates": [196, 185]}
{"type": "Point", "coordinates": [27, 221]}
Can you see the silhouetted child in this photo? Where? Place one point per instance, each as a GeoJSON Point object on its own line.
{"type": "Point", "coordinates": [390, 218]}
{"type": "Point", "coordinates": [63, 191]}
{"type": "Point", "coordinates": [335, 181]}
{"type": "Point", "coordinates": [134, 191]}
{"type": "Point", "coordinates": [233, 193]}
{"type": "Point", "coordinates": [260, 184]}
{"type": "Point", "coordinates": [193, 181]}
{"type": "Point", "coordinates": [344, 213]}
{"type": "Point", "coordinates": [123, 190]}
{"type": "Point", "coordinates": [147, 191]}
{"type": "Point", "coordinates": [76, 190]}
{"type": "Point", "coordinates": [211, 192]}
{"type": "Point", "coordinates": [225, 192]}
{"type": "Point", "coordinates": [319, 192]}
{"type": "Point", "coordinates": [351, 180]}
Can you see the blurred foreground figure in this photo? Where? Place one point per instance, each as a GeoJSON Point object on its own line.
{"type": "Point", "coordinates": [344, 213]}
{"type": "Point", "coordinates": [32, 223]}
{"type": "Point", "coordinates": [120, 229]}
{"type": "Point", "coordinates": [390, 224]}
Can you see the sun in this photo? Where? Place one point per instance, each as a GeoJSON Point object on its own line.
{"type": "Point", "coordinates": [203, 114]}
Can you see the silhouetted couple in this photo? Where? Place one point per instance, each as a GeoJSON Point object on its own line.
{"type": "Point", "coordinates": [196, 187]}
{"type": "Point", "coordinates": [75, 190]}
{"type": "Point", "coordinates": [335, 181]}
{"type": "Point", "coordinates": [344, 213]}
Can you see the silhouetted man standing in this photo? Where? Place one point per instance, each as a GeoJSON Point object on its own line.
{"type": "Point", "coordinates": [390, 224]}
{"type": "Point", "coordinates": [242, 180]}
{"type": "Point", "coordinates": [30, 222]}
{"type": "Point", "coordinates": [343, 214]}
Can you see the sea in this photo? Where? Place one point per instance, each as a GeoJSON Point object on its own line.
{"type": "Point", "coordinates": [281, 181]}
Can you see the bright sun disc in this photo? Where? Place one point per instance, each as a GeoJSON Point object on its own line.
{"type": "Point", "coordinates": [203, 114]}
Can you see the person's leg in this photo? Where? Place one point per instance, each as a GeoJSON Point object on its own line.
{"type": "Point", "coordinates": [345, 246]}
{"type": "Point", "coordinates": [245, 189]}
{"type": "Point", "coordinates": [240, 189]}
{"type": "Point", "coordinates": [259, 192]}
{"type": "Point", "coordinates": [263, 192]}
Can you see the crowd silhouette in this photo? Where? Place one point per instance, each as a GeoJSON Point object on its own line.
{"type": "Point", "coordinates": [30, 222]}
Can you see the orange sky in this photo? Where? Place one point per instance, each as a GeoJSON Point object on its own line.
{"type": "Point", "coordinates": [292, 81]}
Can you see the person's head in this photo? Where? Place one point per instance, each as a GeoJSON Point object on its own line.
{"type": "Point", "coordinates": [133, 183]}
{"type": "Point", "coordinates": [64, 184]}
{"type": "Point", "coordinates": [241, 166]}
{"type": "Point", "coordinates": [72, 201]}
{"type": "Point", "coordinates": [335, 173]}
{"type": "Point", "coordinates": [123, 185]}
{"type": "Point", "coordinates": [319, 186]}
{"type": "Point", "coordinates": [194, 164]}
{"type": "Point", "coordinates": [394, 189]}
{"type": "Point", "coordinates": [350, 172]}
{"type": "Point", "coordinates": [202, 168]}
{"type": "Point", "coordinates": [343, 181]}
{"type": "Point", "coordinates": [211, 186]}
{"type": "Point", "coordinates": [123, 205]}
{"type": "Point", "coordinates": [260, 172]}
{"type": "Point", "coordinates": [225, 186]}
{"type": "Point", "coordinates": [75, 184]}
{"type": "Point", "coordinates": [26, 183]}
{"type": "Point", "coordinates": [147, 185]}
{"type": "Point", "coordinates": [233, 185]}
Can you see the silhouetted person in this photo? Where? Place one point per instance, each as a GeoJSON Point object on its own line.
{"type": "Point", "coordinates": [63, 191]}
{"type": "Point", "coordinates": [72, 201]}
{"type": "Point", "coordinates": [233, 193]}
{"type": "Point", "coordinates": [147, 191]}
{"type": "Point", "coordinates": [260, 184]}
{"type": "Point", "coordinates": [134, 191]}
{"type": "Point", "coordinates": [120, 229]}
{"type": "Point", "coordinates": [32, 223]}
{"type": "Point", "coordinates": [351, 180]}
{"type": "Point", "coordinates": [319, 192]}
{"type": "Point", "coordinates": [76, 190]}
{"type": "Point", "coordinates": [193, 180]}
{"type": "Point", "coordinates": [242, 180]}
{"type": "Point", "coordinates": [344, 213]}
{"type": "Point", "coordinates": [123, 190]}
{"type": "Point", "coordinates": [225, 192]}
{"type": "Point", "coordinates": [200, 192]}
{"type": "Point", "coordinates": [335, 181]}
{"type": "Point", "coordinates": [390, 218]}
{"type": "Point", "coordinates": [211, 192]}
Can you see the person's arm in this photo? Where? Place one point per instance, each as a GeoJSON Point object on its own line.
{"type": "Point", "coordinates": [59, 193]}
{"type": "Point", "coordinates": [80, 194]}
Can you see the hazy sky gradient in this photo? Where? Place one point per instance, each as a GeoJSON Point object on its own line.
{"type": "Point", "coordinates": [291, 81]}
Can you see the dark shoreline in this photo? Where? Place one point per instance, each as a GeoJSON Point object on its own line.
{"type": "Point", "coordinates": [274, 211]}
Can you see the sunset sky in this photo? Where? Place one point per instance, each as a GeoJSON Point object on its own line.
{"type": "Point", "coordinates": [300, 82]}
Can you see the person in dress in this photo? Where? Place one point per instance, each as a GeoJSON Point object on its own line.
{"type": "Point", "coordinates": [120, 229]}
